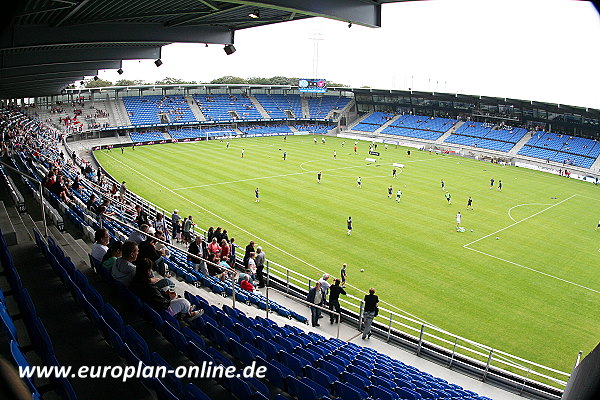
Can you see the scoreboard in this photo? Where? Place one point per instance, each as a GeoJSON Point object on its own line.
{"type": "Point", "coordinates": [312, 86]}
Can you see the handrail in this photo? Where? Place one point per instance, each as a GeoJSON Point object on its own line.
{"type": "Point", "coordinates": [34, 180]}
{"type": "Point", "coordinates": [339, 314]}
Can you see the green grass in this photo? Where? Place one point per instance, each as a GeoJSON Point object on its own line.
{"type": "Point", "coordinates": [534, 292]}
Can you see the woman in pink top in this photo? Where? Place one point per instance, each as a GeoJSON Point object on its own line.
{"type": "Point", "coordinates": [225, 250]}
{"type": "Point", "coordinates": [214, 247]}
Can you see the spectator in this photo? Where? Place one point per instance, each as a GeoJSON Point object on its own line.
{"type": "Point", "coordinates": [113, 253]}
{"type": "Point", "coordinates": [162, 248]}
{"type": "Point", "coordinates": [124, 268]}
{"type": "Point", "coordinates": [218, 234]}
{"type": "Point", "coordinates": [260, 264]}
{"type": "Point", "coordinates": [324, 284]}
{"type": "Point", "coordinates": [246, 285]}
{"type": "Point", "coordinates": [122, 191]}
{"type": "Point", "coordinates": [187, 230]}
{"type": "Point", "coordinates": [60, 189]}
{"type": "Point", "coordinates": [160, 224]}
{"type": "Point", "coordinates": [175, 225]}
{"type": "Point", "coordinates": [370, 312]}
{"type": "Point", "coordinates": [138, 237]}
{"type": "Point", "coordinates": [92, 205]}
{"type": "Point", "coordinates": [161, 295]}
{"type": "Point", "coordinates": [334, 300]}
{"type": "Point", "coordinates": [147, 250]}
{"type": "Point", "coordinates": [210, 233]}
{"type": "Point", "coordinates": [315, 296]}
{"type": "Point", "coordinates": [100, 247]}
{"type": "Point", "coordinates": [225, 249]}
{"type": "Point", "coordinates": [214, 247]}
{"type": "Point", "coordinates": [198, 249]}
{"type": "Point", "coordinates": [252, 265]}
{"type": "Point", "coordinates": [233, 247]}
{"type": "Point", "coordinates": [249, 249]}
{"type": "Point", "coordinates": [142, 217]}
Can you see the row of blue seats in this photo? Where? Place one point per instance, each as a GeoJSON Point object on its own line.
{"type": "Point", "coordinates": [38, 336]}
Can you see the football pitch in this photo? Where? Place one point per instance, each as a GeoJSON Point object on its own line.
{"type": "Point", "coordinates": [523, 277]}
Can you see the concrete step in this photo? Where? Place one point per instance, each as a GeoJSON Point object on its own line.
{"type": "Point", "coordinates": [8, 229]}
{"type": "Point", "coordinates": [21, 230]}
{"type": "Point", "coordinates": [71, 248]}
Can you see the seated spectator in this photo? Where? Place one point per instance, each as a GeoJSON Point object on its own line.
{"type": "Point", "coordinates": [114, 252]}
{"type": "Point", "coordinates": [138, 237]}
{"type": "Point", "coordinates": [100, 247]}
{"type": "Point", "coordinates": [60, 189]}
{"type": "Point", "coordinates": [162, 248]}
{"type": "Point", "coordinates": [161, 295]}
{"type": "Point", "coordinates": [92, 205]}
{"type": "Point", "coordinates": [124, 268]}
{"type": "Point", "coordinates": [246, 285]}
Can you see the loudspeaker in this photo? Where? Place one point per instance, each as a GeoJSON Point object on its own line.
{"type": "Point", "coordinates": [229, 49]}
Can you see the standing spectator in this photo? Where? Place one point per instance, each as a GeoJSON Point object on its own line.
{"type": "Point", "coordinates": [210, 233]}
{"type": "Point", "coordinates": [233, 247]}
{"type": "Point", "coordinates": [175, 218]}
{"type": "Point", "coordinates": [187, 230]}
{"type": "Point", "coordinates": [124, 268]}
{"type": "Point", "coordinates": [122, 191]}
{"type": "Point", "coordinates": [198, 249]}
{"type": "Point", "coordinates": [334, 300]}
{"type": "Point", "coordinates": [141, 217]}
{"type": "Point", "coordinates": [224, 235]}
{"type": "Point", "coordinates": [100, 247]}
{"type": "Point", "coordinates": [218, 234]}
{"type": "Point", "coordinates": [252, 265]}
{"type": "Point", "coordinates": [370, 312]}
{"type": "Point", "coordinates": [315, 296]}
{"type": "Point", "coordinates": [249, 249]}
{"type": "Point", "coordinates": [260, 265]}
{"type": "Point", "coordinates": [147, 250]}
{"type": "Point", "coordinates": [225, 249]}
{"type": "Point", "coordinates": [160, 224]}
{"type": "Point", "coordinates": [214, 248]}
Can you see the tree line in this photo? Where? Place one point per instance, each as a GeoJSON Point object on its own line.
{"type": "Point", "coordinates": [226, 80]}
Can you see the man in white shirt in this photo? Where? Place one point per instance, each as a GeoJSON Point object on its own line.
{"type": "Point", "coordinates": [100, 247]}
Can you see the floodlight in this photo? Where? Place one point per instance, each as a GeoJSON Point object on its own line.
{"type": "Point", "coordinates": [158, 62]}
{"type": "Point", "coordinates": [255, 14]}
{"type": "Point", "coordinates": [120, 71]}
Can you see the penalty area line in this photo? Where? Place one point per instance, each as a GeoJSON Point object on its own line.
{"type": "Point", "coordinates": [518, 222]}
{"type": "Point", "coordinates": [534, 270]}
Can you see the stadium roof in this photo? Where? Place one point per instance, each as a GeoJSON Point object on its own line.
{"type": "Point", "coordinates": [46, 45]}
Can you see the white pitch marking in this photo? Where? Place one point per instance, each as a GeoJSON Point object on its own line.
{"type": "Point", "coordinates": [535, 270]}
{"type": "Point", "coordinates": [255, 236]}
{"type": "Point", "coordinates": [518, 222]}
{"type": "Point", "coordinates": [526, 204]}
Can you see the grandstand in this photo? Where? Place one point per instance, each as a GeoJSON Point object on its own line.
{"type": "Point", "coordinates": [227, 107]}
{"type": "Point", "coordinates": [148, 110]}
{"type": "Point", "coordinates": [487, 136]}
{"type": "Point", "coordinates": [563, 149]}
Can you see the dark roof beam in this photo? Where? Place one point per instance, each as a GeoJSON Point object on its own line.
{"type": "Point", "coordinates": [31, 37]}
{"type": "Point", "coordinates": [68, 76]}
{"type": "Point", "coordinates": [57, 68]}
{"type": "Point", "coordinates": [41, 11]}
{"type": "Point", "coordinates": [174, 13]}
{"type": "Point", "coordinates": [79, 55]}
{"type": "Point", "coordinates": [184, 21]}
{"type": "Point", "coordinates": [73, 11]}
{"type": "Point", "coordinates": [209, 5]}
{"type": "Point", "coordinates": [356, 11]}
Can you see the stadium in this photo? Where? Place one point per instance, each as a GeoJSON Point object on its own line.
{"type": "Point", "coordinates": [473, 219]}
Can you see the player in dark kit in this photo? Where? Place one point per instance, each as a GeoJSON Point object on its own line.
{"type": "Point", "coordinates": [319, 177]}
{"type": "Point", "coordinates": [394, 173]}
{"type": "Point", "coordinates": [256, 195]}
{"type": "Point", "coordinates": [390, 190]}
{"type": "Point", "coordinates": [349, 225]}
{"type": "Point", "coordinates": [491, 183]}
{"type": "Point", "coordinates": [470, 203]}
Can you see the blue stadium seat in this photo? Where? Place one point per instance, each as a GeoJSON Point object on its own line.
{"type": "Point", "coordinates": [137, 344]}
{"type": "Point", "coordinates": [193, 393]}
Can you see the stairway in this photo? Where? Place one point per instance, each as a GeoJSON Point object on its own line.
{"type": "Point", "coordinates": [259, 107]}
{"type": "Point", "coordinates": [388, 123]}
{"type": "Point", "coordinates": [449, 132]}
{"type": "Point", "coordinates": [520, 144]}
{"type": "Point", "coordinates": [117, 109]}
{"type": "Point", "coordinates": [305, 108]}
{"type": "Point", "coordinates": [195, 109]}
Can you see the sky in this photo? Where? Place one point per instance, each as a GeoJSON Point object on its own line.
{"type": "Point", "coordinates": [542, 50]}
